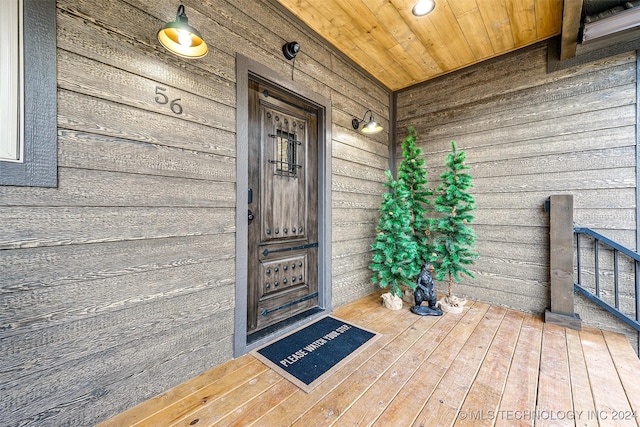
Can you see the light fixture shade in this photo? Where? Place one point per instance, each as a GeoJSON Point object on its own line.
{"type": "Point", "coordinates": [423, 7]}
{"type": "Point", "coordinates": [371, 127]}
{"type": "Point", "coordinates": [180, 38]}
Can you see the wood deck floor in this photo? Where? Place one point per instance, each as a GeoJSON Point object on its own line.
{"type": "Point", "coordinates": [487, 366]}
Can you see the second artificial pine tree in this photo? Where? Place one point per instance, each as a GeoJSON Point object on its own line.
{"type": "Point", "coordinates": [413, 173]}
{"type": "Point", "coordinates": [454, 238]}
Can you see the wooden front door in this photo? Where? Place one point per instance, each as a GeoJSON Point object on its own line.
{"type": "Point", "coordinates": [283, 207]}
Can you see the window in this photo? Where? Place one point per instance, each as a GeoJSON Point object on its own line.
{"type": "Point", "coordinates": [28, 132]}
{"type": "Point", "coordinates": [286, 154]}
{"type": "Point", "coordinates": [11, 93]}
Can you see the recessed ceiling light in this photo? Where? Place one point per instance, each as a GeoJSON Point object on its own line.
{"type": "Point", "coordinates": [423, 7]}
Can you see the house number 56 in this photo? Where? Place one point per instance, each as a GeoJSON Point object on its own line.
{"type": "Point", "coordinates": [162, 98]}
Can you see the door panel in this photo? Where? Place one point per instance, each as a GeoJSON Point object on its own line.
{"type": "Point", "coordinates": [283, 234]}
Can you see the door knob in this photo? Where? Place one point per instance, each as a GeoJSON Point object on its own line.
{"type": "Point", "coordinates": [250, 217]}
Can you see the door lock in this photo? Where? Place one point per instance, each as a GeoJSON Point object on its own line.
{"type": "Point", "coordinates": [250, 217]}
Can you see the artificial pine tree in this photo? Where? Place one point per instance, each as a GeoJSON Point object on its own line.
{"type": "Point", "coordinates": [402, 242]}
{"type": "Point", "coordinates": [454, 238]}
{"type": "Point", "coordinates": [395, 250]}
{"type": "Point", "coordinates": [414, 175]}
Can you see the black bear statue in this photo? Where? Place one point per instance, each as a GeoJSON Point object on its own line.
{"type": "Point", "coordinates": [425, 291]}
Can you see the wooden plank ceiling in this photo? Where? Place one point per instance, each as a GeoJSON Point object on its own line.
{"type": "Point", "coordinates": [400, 49]}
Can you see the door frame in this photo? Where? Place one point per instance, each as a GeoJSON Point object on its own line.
{"type": "Point", "coordinates": [247, 68]}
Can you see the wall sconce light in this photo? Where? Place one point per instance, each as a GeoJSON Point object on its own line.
{"type": "Point", "coordinates": [290, 50]}
{"type": "Point", "coordinates": [423, 7]}
{"type": "Point", "coordinates": [371, 127]}
{"type": "Point", "coordinates": [180, 38]}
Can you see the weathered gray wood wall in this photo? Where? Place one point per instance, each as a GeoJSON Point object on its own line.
{"type": "Point", "coordinates": [119, 284]}
{"type": "Point", "coordinates": [528, 135]}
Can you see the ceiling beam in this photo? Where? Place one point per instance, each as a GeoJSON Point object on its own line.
{"type": "Point", "coordinates": [571, 14]}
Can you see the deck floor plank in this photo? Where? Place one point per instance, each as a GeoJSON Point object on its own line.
{"type": "Point", "coordinates": [554, 386]}
{"type": "Point", "coordinates": [408, 404]}
{"type": "Point", "coordinates": [521, 389]}
{"type": "Point", "coordinates": [363, 310]}
{"type": "Point", "coordinates": [249, 411]}
{"type": "Point", "coordinates": [444, 403]}
{"type": "Point", "coordinates": [609, 396]}
{"type": "Point", "coordinates": [628, 367]}
{"type": "Point", "coordinates": [583, 404]}
{"type": "Point", "coordinates": [340, 398]}
{"type": "Point", "coordinates": [164, 401]}
{"type": "Point", "coordinates": [292, 408]}
{"type": "Point", "coordinates": [507, 368]}
{"type": "Point", "coordinates": [211, 392]}
{"type": "Point", "coordinates": [211, 412]}
{"type": "Point", "coordinates": [376, 399]}
{"type": "Point", "coordinates": [481, 404]}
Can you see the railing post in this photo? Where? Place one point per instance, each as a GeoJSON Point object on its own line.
{"type": "Point", "coordinates": [561, 263]}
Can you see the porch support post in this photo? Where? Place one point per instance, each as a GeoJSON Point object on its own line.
{"type": "Point", "coordinates": [561, 263]}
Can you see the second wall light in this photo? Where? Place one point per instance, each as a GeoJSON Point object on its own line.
{"type": "Point", "coordinates": [371, 127]}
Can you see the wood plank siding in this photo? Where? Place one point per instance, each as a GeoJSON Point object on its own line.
{"type": "Point", "coordinates": [488, 366]}
{"type": "Point", "coordinates": [119, 284]}
{"type": "Point", "coordinates": [529, 134]}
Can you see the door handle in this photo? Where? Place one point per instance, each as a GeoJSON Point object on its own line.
{"type": "Point", "coordinates": [250, 216]}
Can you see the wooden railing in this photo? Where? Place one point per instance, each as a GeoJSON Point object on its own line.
{"type": "Point", "coordinates": [609, 298]}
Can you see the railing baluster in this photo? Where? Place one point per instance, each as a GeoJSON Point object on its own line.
{"type": "Point", "coordinates": [596, 266]}
{"type": "Point", "coordinates": [637, 283]}
{"type": "Point", "coordinates": [579, 258]}
{"type": "Point", "coordinates": [616, 294]}
{"type": "Point", "coordinates": [595, 297]}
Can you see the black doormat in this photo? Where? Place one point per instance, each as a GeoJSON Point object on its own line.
{"type": "Point", "coordinates": [309, 355]}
